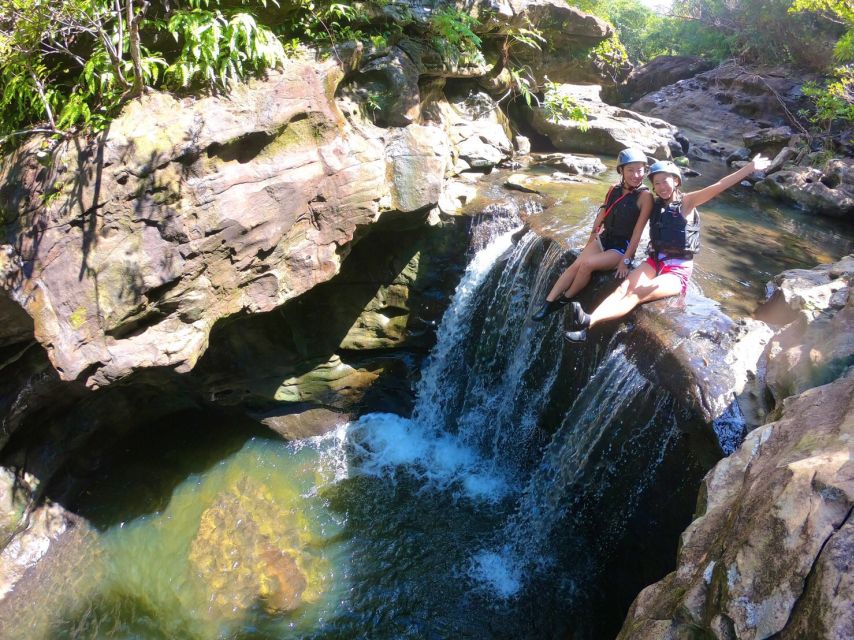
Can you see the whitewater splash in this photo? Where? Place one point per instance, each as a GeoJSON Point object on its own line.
{"type": "Point", "coordinates": [382, 444]}
{"type": "Point", "coordinates": [496, 424]}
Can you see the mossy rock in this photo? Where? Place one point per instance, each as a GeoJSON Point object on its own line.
{"type": "Point", "coordinates": [251, 549]}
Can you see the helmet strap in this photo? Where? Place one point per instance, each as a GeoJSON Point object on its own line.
{"type": "Point", "coordinates": [623, 184]}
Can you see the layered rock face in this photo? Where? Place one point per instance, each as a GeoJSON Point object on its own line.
{"type": "Point", "coordinates": [766, 555]}
{"type": "Point", "coordinates": [569, 32]}
{"type": "Point", "coordinates": [660, 72]}
{"type": "Point", "coordinates": [184, 213]}
{"type": "Point", "coordinates": [730, 101]}
{"type": "Point", "coordinates": [769, 554]}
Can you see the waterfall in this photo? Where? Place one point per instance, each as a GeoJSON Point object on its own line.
{"type": "Point", "coordinates": [571, 475]}
{"type": "Point", "coordinates": [558, 453]}
{"type": "Point", "coordinates": [556, 424]}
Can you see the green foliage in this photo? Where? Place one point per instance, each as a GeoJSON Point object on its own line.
{"type": "Point", "coordinates": [835, 11]}
{"type": "Point", "coordinates": [645, 34]}
{"type": "Point", "coordinates": [834, 102]}
{"type": "Point", "coordinates": [453, 35]}
{"type": "Point", "coordinates": [218, 50]}
{"type": "Point", "coordinates": [528, 36]}
{"type": "Point", "coordinates": [335, 22]}
{"type": "Point", "coordinates": [560, 106]}
{"type": "Point", "coordinates": [524, 86]}
{"type": "Point", "coordinates": [75, 62]}
{"type": "Point", "coordinates": [766, 30]}
{"type": "Point", "coordinates": [611, 55]}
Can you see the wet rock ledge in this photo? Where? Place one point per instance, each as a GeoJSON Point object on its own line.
{"type": "Point", "coordinates": [769, 554]}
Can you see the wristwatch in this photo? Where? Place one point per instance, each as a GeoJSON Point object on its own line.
{"type": "Point", "coordinates": [627, 262]}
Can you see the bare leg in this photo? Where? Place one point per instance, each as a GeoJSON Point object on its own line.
{"type": "Point", "coordinates": [602, 261]}
{"type": "Point", "coordinates": [566, 279]}
{"type": "Point", "coordinates": [641, 285]}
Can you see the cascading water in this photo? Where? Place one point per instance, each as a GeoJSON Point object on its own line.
{"type": "Point", "coordinates": [557, 446]}
{"type": "Point", "coordinates": [524, 498]}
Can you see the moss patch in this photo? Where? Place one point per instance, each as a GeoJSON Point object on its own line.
{"type": "Point", "coordinates": [78, 318]}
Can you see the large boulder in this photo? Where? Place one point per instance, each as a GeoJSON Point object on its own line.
{"type": "Point", "coordinates": [570, 33]}
{"type": "Point", "coordinates": [769, 555]}
{"type": "Point", "coordinates": [126, 250]}
{"type": "Point", "coordinates": [607, 129]}
{"type": "Point", "coordinates": [731, 99]}
{"type": "Point", "coordinates": [767, 141]}
{"type": "Point", "coordinates": [660, 72]}
{"type": "Point", "coordinates": [479, 133]}
{"type": "Point", "coordinates": [815, 310]}
{"type": "Point", "coordinates": [828, 190]}
{"type": "Point", "coordinates": [707, 361]}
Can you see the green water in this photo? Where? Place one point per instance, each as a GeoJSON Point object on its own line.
{"type": "Point", "coordinates": [189, 526]}
{"type": "Point", "coordinates": [238, 543]}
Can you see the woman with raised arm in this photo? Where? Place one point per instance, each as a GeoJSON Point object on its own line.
{"type": "Point", "coordinates": [616, 233]}
{"type": "Point", "coordinates": [674, 232]}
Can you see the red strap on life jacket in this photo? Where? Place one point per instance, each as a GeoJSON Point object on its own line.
{"type": "Point", "coordinates": [616, 202]}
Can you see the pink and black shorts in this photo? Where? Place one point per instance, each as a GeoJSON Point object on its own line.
{"type": "Point", "coordinates": [679, 267]}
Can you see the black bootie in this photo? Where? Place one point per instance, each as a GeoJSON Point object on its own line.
{"type": "Point", "coordinates": [548, 307]}
{"type": "Point", "coordinates": [579, 321]}
{"type": "Point", "coordinates": [577, 318]}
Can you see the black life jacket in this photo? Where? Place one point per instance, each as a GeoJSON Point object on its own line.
{"type": "Point", "coordinates": [620, 222]}
{"type": "Point", "coordinates": [671, 233]}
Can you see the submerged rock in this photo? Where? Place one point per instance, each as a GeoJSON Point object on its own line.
{"type": "Point", "coordinates": [250, 549]}
{"type": "Point", "coordinates": [572, 164]}
{"type": "Point", "coordinates": [765, 557]}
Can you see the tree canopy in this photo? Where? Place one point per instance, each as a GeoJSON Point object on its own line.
{"type": "Point", "coordinates": [66, 64]}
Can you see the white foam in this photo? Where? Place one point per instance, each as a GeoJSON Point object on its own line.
{"type": "Point", "coordinates": [383, 444]}
{"type": "Point", "coordinates": [497, 572]}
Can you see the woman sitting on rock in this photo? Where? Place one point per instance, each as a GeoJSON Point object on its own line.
{"type": "Point", "coordinates": [616, 233]}
{"type": "Point", "coordinates": [674, 232]}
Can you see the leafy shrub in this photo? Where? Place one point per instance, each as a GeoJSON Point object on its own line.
{"type": "Point", "coordinates": [560, 106]}
{"type": "Point", "coordinates": [453, 35]}
{"type": "Point", "coordinates": [47, 76]}
{"type": "Point", "coordinates": [834, 102]}
{"type": "Point", "coordinates": [218, 50]}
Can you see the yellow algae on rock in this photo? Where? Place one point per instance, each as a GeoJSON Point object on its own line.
{"type": "Point", "coordinates": [252, 550]}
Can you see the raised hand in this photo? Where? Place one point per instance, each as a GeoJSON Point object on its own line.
{"type": "Point", "coordinates": [760, 162]}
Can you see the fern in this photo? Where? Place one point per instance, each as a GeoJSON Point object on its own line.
{"type": "Point", "coordinates": [559, 106]}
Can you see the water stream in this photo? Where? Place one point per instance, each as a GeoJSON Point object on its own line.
{"type": "Point", "coordinates": [492, 512]}
{"type": "Point", "coordinates": [532, 493]}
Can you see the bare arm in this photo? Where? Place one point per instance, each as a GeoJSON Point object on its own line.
{"type": "Point", "coordinates": [694, 199]}
{"type": "Point", "coordinates": [600, 217]}
{"type": "Point", "coordinates": [645, 203]}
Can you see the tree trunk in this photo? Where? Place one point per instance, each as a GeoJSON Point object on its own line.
{"type": "Point", "coordinates": [134, 45]}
